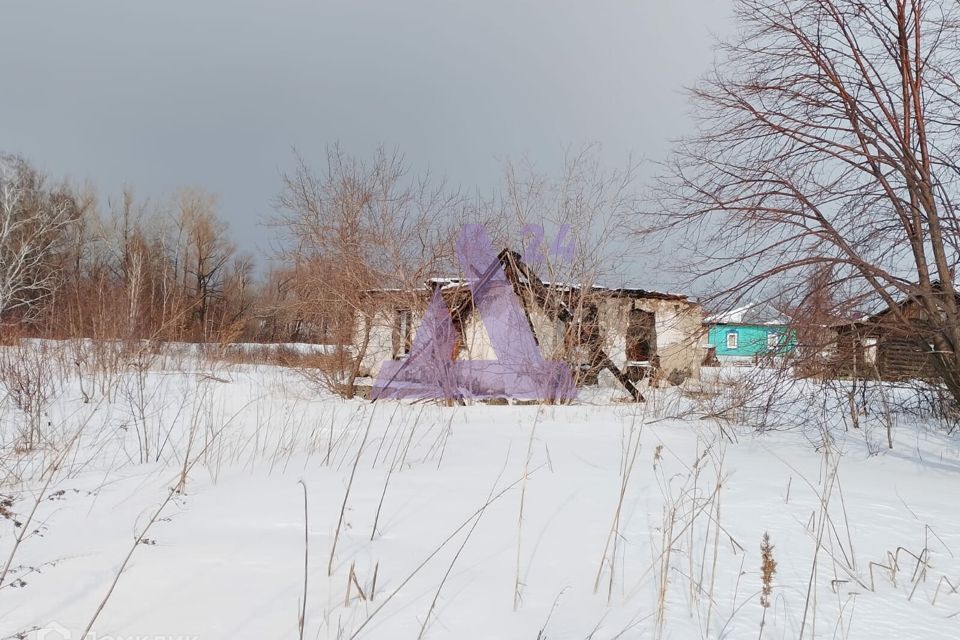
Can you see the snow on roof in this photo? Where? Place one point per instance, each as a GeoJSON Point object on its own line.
{"type": "Point", "coordinates": [454, 282]}
{"type": "Point", "coordinates": [750, 313]}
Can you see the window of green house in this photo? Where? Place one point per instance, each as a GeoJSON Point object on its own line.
{"type": "Point", "coordinates": [732, 340]}
{"type": "Point", "coordinates": [773, 341]}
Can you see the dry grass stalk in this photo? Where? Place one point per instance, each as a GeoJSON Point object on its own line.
{"type": "Point", "coordinates": [631, 451]}
{"type": "Point", "coordinates": [768, 568]}
{"type": "Point", "coordinates": [346, 495]}
{"type": "Point", "coordinates": [492, 499]}
{"type": "Point", "coordinates": [517, 597]}
{"type": "Point", "coordinates": [306, 561]}
{"type": "Point", "coordinates": [123, 565]}
{"type": "Point", "coordinates": [25, 528]}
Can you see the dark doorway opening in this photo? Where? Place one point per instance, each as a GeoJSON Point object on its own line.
{"type": "Point", "coordinates": [641, 343]}
{"type": "Point", "coordinates": [641, 336]}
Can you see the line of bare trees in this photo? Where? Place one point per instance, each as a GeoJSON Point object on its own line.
{"type": "Point", "coordinates": [348, 232]}
{"type": "Point", "coordinates": [70, 266]}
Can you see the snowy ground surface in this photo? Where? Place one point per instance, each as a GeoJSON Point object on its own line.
{"type": "Point", "coordinates": [598, 520]}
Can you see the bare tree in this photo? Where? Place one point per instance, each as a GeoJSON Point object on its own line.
{"type": "Point", "coordinates": [573, 231]}
{"type": "Point", "coordinates": [356, 237]}
{"type": "Point", "coordinates": [207, 253]}
{"type": "Point", "coordinates": [827, 137]}
{"type": "Point", "coordinates": [32, 224]}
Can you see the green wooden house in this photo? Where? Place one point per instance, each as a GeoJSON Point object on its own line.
{"type": "Point", "coordinates": [750, 332]}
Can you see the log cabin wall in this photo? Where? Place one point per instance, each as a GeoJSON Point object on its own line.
{"type": "Point", "coordinates": [882, 347]}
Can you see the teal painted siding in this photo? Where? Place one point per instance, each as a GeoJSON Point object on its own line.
{"type": "Point", "coordinates": [751, 339]}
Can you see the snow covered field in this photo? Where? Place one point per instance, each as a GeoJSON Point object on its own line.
{"type": "Point", "coordinates": [186, 497]}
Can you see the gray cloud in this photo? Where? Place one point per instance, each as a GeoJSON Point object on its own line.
{"type": "Point", "coordinates": [217, 92]}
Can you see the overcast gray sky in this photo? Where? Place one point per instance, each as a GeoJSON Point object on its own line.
{"type": "Point", "coordinates": [216, 93]}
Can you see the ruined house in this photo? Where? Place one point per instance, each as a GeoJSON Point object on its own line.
{"type": "Point", "coordinates": [608, 335]}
